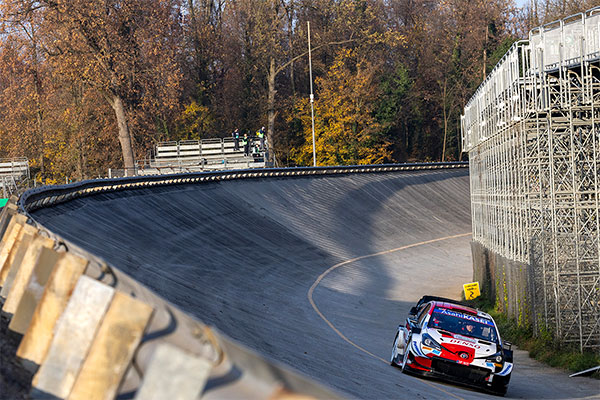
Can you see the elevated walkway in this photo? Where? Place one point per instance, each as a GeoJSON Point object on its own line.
{"type": "Point", "coordinates": [200, 155]}
{"type": "Point", "coordinates": [13, 172]}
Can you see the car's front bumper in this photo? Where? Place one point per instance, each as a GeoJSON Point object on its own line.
{"type": "Point", "coordinates": [436, 367]}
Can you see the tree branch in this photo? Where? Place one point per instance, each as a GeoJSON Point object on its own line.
{"type": "Point", "coordinates": [285, 65]}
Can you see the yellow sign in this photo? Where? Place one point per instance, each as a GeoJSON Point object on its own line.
{"type": "Point", "coordinates": [471, 290]}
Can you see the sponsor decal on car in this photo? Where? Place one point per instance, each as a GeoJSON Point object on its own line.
{"type": "Point", "coordinates": [429, 350]}
{"type": "Point", "coordinates": [445, 311]}
{"type": "Point", "coordinates": [464, 343]}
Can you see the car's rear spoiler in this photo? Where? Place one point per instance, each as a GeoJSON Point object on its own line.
{"type": "Point", "coordinates": [428, 298]}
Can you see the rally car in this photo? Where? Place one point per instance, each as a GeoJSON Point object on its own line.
{"type": "Point", "coordinates": [446, 339]}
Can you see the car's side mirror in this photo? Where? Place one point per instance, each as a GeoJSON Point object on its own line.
{"type": "Point", "coordinates": [412, 319]}
{"type": "Point", "coordinates": [508, 355]}
{"type": "Point", "coordinates": [506, 345]}
{"type": "Point", "coordinates": [413, 311]}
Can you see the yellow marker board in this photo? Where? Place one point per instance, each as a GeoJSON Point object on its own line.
{"type": "Point", "coordinates": [471, 290]}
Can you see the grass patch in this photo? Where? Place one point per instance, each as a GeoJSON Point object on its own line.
{"type": "Point", "coordinates": [542, 347]}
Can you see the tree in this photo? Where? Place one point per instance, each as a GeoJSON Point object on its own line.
{"type": "Point", "coordinates": [119, 48]}
{"type": "Point", "coordinates": [346, 131]}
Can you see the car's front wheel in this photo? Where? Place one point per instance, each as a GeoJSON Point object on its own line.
{"type": "Point", "coordinates": [500, 384]}
{"type": "Point", "coordinates": [395, 358]}
{"type": "Point", "coordinates": [405, 367]}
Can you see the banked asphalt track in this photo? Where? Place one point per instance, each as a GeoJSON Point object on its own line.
{"type": "Point", "coordinates": [315, 272]}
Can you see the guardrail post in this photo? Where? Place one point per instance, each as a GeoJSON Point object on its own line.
{"type": "Point", "coordinates": [72, 339]}
{"type": "Point", "coordinates": [174, 374]}
{"type": "Point", "coordinates": [53, 301]}
{"type": "Point", "coordinates": [24, 272]}
{"type": "Point", "coordinates": [112, 350]}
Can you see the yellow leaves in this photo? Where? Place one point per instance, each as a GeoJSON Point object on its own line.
{"type": "Point", "coordinates": [345, 130]}
{"type": "Point", "coordinates": [194, 122]}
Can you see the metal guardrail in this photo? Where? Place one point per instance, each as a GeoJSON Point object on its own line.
{"type": "Point", "coordinates": [165, 335]}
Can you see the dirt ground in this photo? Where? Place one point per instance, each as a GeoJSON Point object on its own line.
{"type": "Point", "coordinates": [15, 381]}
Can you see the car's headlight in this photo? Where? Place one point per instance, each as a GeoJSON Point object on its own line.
{"type": "Point", "coordinates": [496, 358]}
{"type": "Point", "coordinates": [428, 341]}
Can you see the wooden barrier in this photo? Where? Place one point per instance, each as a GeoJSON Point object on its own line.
{"type": "Point", "coordinates": [72, 339]}
{"type": "Point", "coordinates": [8, 242]}
{"type": "Point", "coordinates": [26, 235]}
{"type": "Point", "coordinates": [52, 303]}
{"type": "Point", "coordinates": [34, 289]}
{"type": "Point", "coordinates": [80, 335]}
{"type": "Point", "coordinates": [112, 350]}
{"type": "Point", "coordinates": [174, 374]}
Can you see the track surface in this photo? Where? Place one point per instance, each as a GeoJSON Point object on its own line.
{"type": "Point", "coordinates": [314, 272]}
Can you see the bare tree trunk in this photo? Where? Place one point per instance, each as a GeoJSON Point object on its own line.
{"type": "Point", "coordinates": [271, 110]}
{"type": "Point", "coordinates": [485, 51]}
{"type": "Point", "coordinates": [291, 44]}
{"type": "Point", "coordinates": [37, 83]}
{"type": "Point", "coordinates": [124, 138]}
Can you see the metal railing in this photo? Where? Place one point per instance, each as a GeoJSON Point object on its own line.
{"type": "Point", "coordinates": [196, 156]}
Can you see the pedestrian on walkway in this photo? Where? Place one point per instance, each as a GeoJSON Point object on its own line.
{"type": "Point", "coordinates": [246, 144]}
{"type": "Point", "coordinates": [236, 139]}
{"type": "Point", "coordinates": [261, 136]}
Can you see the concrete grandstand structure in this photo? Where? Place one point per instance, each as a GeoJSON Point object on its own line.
{"type": "Point", "coordinates": [532, 131]}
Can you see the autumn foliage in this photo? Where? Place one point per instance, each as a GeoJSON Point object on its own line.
{"type": "Point", "coordinates": [91, 85]}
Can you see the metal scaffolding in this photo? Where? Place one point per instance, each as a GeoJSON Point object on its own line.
{"type": "Point", "coordinates": [532, 131]}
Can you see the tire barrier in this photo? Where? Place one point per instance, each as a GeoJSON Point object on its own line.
{"type": "Point", "coordinates": [89, 331]}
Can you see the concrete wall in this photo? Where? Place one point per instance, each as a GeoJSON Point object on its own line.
{"type": "Point", "coordinates": [505, 282]}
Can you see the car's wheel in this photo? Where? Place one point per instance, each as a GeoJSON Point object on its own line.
{"type": "Point", "coordinates": [395, 358]}
{"type": "Point", "coordinates": [500, 385]}
{"type": "Point", "coordinates": [405, 367]}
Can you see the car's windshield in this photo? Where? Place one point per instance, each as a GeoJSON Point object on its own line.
{"type": "Point", "coordinates": [463, 324]}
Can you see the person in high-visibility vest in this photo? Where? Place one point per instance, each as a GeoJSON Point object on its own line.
{"type": "Point", "coordinates": [261, 136]}
{"type": "Point", "coordinates": [246, 144]}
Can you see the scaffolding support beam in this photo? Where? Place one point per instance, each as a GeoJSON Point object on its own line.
{"type": "Point", "coordinates": [532, 133]}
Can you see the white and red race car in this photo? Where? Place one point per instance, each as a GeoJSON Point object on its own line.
{"type": "Point", "coordinates": [443, 338]}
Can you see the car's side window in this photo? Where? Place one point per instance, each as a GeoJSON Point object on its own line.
{"type": "Point", "coordinates": [423, 314]}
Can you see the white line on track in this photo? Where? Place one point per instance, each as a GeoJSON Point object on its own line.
{"type": "Point", "coordinates": [352, 260]}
